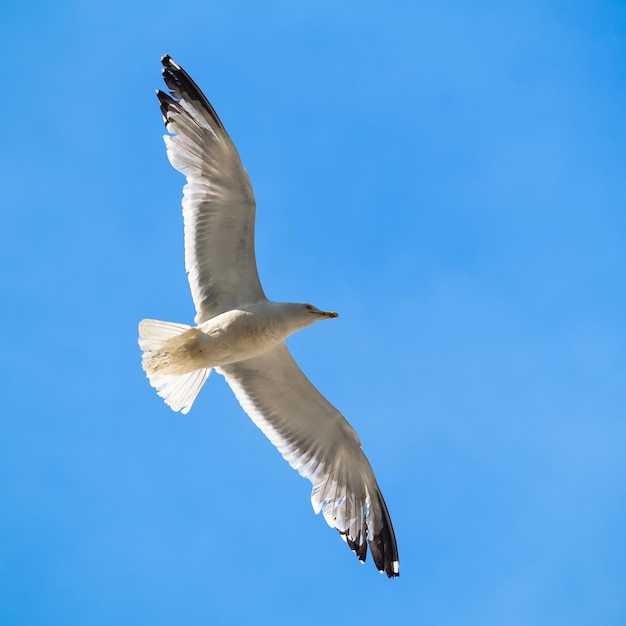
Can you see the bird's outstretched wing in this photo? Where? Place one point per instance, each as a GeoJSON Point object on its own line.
{"type": "Point", "coordinates": [218, 202]}
{"type": "Point", "coordinates": [317, 441]}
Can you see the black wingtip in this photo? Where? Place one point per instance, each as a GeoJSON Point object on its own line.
{"type": "Point", "coordinates": [385, 553]}
{"type": "Point", "coordinates": [383, 544]}
{"type": "Point", "coordinates": [170, 64]}
{"type": "Point", "coordinates": [182, 87]}
{"type": "Point", "coordinates": [360, 549]}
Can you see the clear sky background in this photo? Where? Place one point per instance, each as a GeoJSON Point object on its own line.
{"type": "Point", "coordinates": [450, 177]}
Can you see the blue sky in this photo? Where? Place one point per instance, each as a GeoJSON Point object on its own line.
{"type": "Point", "coordinates": [449, 177]}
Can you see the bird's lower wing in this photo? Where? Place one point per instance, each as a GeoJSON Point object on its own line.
{"type": "Point", "coordinates": [317, 441]}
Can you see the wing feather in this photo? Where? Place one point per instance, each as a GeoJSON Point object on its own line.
{"type": "Point", "coordinates": [317, 441]}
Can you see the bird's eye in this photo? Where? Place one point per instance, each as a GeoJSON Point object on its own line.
{"type": "Point", "coordinates": [308, 307]}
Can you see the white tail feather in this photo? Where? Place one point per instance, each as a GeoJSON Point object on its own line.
{"type": "Point", "coordinates": [178, 390]}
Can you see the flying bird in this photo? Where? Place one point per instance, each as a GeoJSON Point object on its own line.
{"type": "Point", "coordinates": [241, 334]}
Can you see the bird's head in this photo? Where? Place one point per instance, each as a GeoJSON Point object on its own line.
{"type": "Point", "coordinates": [317, 313]}
{"type": "Point", "coordinates": [302, 314]}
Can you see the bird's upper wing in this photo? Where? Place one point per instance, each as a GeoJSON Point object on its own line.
{"type": "Point", "coordinates": [218, 203]}
{"type": "Point", "coordinates": [317, 441]}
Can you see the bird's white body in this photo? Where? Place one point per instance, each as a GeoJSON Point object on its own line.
{"type": "Point", "coordinates": [227, 338]}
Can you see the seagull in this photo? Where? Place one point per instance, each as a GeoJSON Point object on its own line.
{"type": "Point", "coordinates": [241, 334]}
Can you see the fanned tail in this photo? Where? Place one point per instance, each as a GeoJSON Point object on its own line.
{"type": "Point", "coordinates": [178, 390]}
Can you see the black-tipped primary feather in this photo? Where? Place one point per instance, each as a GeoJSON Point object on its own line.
{"type": "Point", "coordinates": [383, 544]}
{"type": "Point", "coordinates": [182, 86]}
